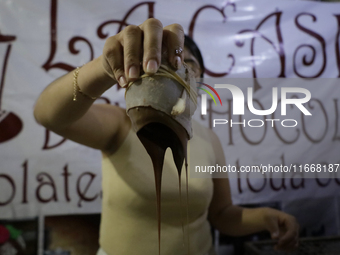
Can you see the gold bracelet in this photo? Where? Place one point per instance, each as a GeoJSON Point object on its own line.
{"type": "Point", "coordinates": [76, 88]}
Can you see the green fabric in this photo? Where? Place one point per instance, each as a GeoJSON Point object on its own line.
{"type": "Point", "coordinates": [14, 233]}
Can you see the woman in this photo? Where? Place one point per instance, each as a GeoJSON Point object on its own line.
{"type": "Point", "coordinates": [129, 219]}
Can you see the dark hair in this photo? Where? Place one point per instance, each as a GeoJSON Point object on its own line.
{"type": "Point", "coordinates": [195, 51]}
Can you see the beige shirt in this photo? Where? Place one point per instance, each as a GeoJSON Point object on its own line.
{"type": "Point", "coordinates": [129, 214]}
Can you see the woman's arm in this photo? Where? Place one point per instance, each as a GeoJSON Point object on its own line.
{"type": "Point", "coordinates": [233, 220]}
{"type": "Point", "coordinates": [105, 127]}
{"type": "Point", "coordinates": [81, 121]}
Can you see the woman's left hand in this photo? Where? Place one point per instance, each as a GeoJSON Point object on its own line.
{"type": "Point", "coordinates": [283, 227]}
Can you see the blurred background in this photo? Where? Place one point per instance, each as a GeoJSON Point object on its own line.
{"type": "Point", "coordinates": [50, 188]}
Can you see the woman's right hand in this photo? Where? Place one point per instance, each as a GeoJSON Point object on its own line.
{"type": "Point", "coordinates": [137, 47]}
{"type": "Point", "coordinates": [102, 126]}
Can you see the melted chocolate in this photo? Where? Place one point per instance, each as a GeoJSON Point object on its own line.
{"type": "Point", "coordinates": [157, 132]}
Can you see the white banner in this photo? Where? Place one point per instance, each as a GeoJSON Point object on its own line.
{"type": "Point", "coordinates": [41, 173]}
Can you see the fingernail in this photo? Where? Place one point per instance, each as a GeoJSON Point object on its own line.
{"type": "Point", "coordinates": [133, 72]}
{"type": "Point", "coordinates": [151, 67]}
{"type": "Point", "coordinates": [122, 81]}
{"type": "Point", "coordinates": [178, 62]}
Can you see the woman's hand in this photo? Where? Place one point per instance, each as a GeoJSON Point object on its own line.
{"type": "Point", "coordinates": [136, 46]}
{"type": "Point", "coordinates": [98, 126]}
{"type": "Point", "coordinates": [283, 228]}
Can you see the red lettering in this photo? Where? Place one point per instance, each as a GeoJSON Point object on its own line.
{"type": "Point", "coordinates": [82, 193]}
{"type": "Point", "coordinates": [24, 182]}
{"type": "Point", "coordinates": [305, 61]}
{"type": "Point", "coordinates": [336, 121]}
{"type": "Point", "coordinates": [66, 174]}
{"type": "Point", "coordinates": [278, 47]}
{"type": "Point", "coordinates": [49, 183]}
{"type": "Point", "coordinates": [191, 33]}
{"type": "Point", "coordinates": [257, 190]}
{"type": "Point", "coordinates": [49, 64]}
{"type": "Point", "coordinates": [11, 182]}
{"type": "Point", "coordinates": [47, 146]}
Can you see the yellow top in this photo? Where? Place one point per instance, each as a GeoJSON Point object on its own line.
{"type": "Point", "coordinates": [129, 214]}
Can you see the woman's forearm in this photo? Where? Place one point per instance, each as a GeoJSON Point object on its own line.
{"type": "Point", "coordinates": [55, 107]}
{"type": "Point", "coordinates": [239, 221]}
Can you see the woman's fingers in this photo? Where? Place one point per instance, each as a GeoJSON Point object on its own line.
{"type": "Point", "coordinates": [123, 53]}
{"type": "Point", "coordinates": [152, 48]}
{"type": "Point", "coordinates": [113, 60]}
{"type": "Point", "coordinates": [290, 236]}
{"type": "Point", "coordinates": [283, 227]}
{"type": "Point", "coordinates": [173, 36]}
{"type": "Point", "coordinates": [132, 45]}
{"type": "Point", "coordinates": [292, 230]}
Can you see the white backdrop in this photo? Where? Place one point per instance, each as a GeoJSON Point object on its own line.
{"type": "Point", "coordinates": [41, 174]}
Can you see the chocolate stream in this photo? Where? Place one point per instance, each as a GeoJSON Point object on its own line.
{"type": "Point", "coordinates": [156, 138]}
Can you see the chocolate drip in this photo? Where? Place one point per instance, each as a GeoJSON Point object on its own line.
{"type": "Point", "coordinates": [157, 132]}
